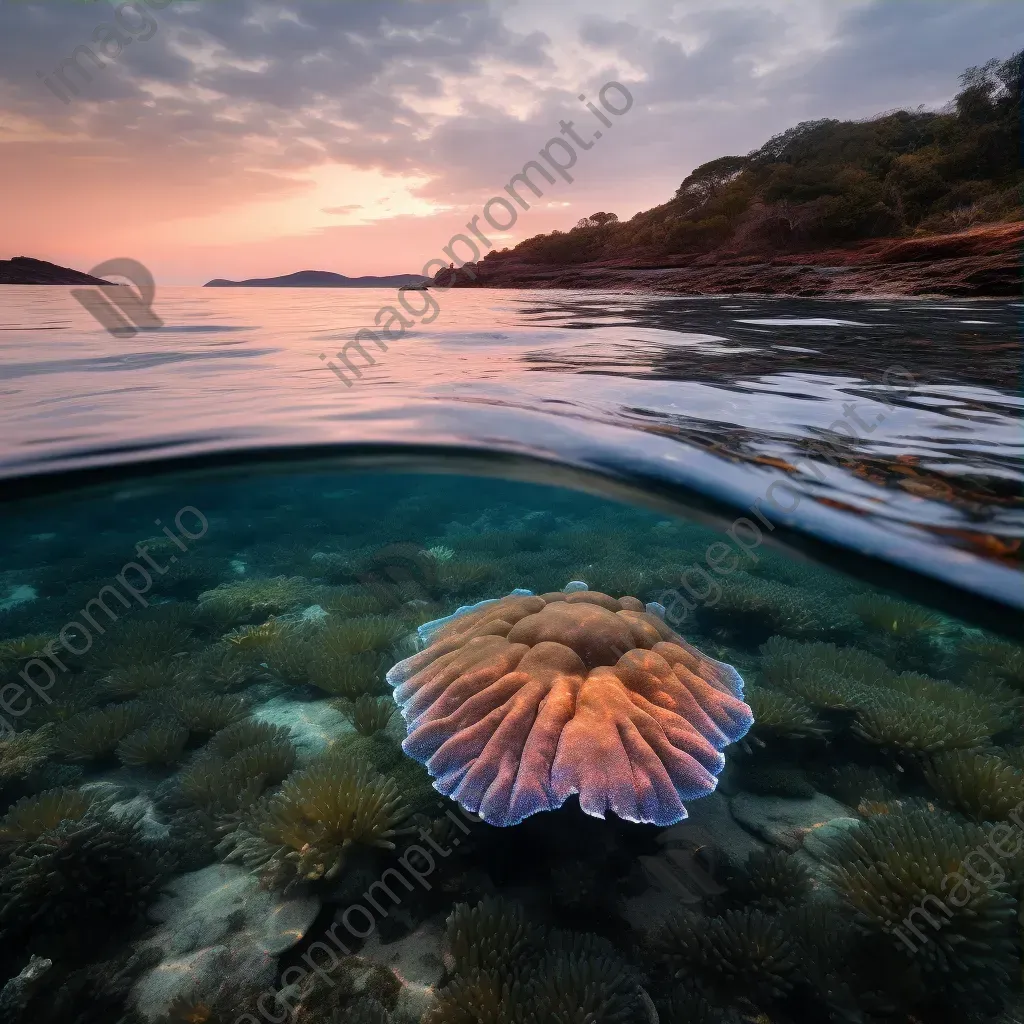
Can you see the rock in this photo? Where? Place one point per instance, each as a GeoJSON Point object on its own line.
{"type": "Point", "coordinates": [127, 792]}
{"type": "Point", "coordinates": [980, 262]}
{"type": "Point", "coordinates": [17, 595]}
{"type": "Point", "coordinates": [217, 925]}
{"type": "Point", "coordinates": [17, 993]}
{"type": "Point", "coordinates": [785, 821]}
{"type": "Point", "coordinates": [141, 807]}
{"type": "Point", "coordinates": [315, 725]}
{"type": "Point", "coordinates": [691, 862]}
{"type": "Point", "coordinates": [813, 840]}
{"type": "Point", "coordinates": [415, 960]}
{"type": "Point", "coordinates": [713, 822]}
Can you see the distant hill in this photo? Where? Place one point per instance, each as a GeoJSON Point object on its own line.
{"type": "Point", "coordinates": [320, 279]}
{"type": "Point", "coordinates": [823, 194]}
{"type": "Point", "coordinates": [25, 270]}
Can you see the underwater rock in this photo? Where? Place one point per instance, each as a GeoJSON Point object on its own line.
{"type": "Point", "coordinates": [18, 992]}
{"type": "Point", "coordinates": [140, 807]}
{"type": "Point", "coordinates": [783, 821]}
{"type": "Point", "coordinates": [217, 924]}
{"type": "Point", "coordinates": [415, 960]}
{"type": "Point", "coordinates": [518, 703]}
{"type": "Point", "coordinates": [694, 855]}
{"type": "Point", "coordinates": [315, 726]}
{"type": "Point", "coordinates": [17, 595]}
{"type": "Point", "coordinates": [816, 843]}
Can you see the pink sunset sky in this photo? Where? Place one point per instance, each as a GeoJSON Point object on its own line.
{"type": "Point", "coordinates": [241, 138]}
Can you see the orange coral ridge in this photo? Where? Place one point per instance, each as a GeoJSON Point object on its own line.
{"type": "Point", "coordinates": [519, 703]}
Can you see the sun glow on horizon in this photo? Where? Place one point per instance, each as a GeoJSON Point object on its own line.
{"type": "Point", "coordinates": [326, 196]}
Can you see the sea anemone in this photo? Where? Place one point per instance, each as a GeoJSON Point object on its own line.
{"type": "Point", "coordinates": [24, 753]}
{"type": "Point", "coordinates": [141, 642]}
{"type": "Point", "coordinates": [459, 578]}
{"type": "Point", "coordinates": [288, 655]}
{"type": "Point", "coordinates": [348, 677]}
{"type": "Point", "coordinates": [370, 715]}
{"type": "Point", "coordinates": [826, 676]}
{"type": "Point", "coordinates": [354, 602]}
{"type": "Point", "coordinates": [1001, 659]}
{"type": "Point", "coordinates": [247, 600]}
{"type": "Point", "coordinates": [33, 816]}
{"type": "Point", "coordinates": [894, 618]}
{"type": "Point", "coordinates": [489, 936]}
{"type": "Point", "coordinates": [305, 831]}
{"type": "Point", "coordinates": [255, 639]}
{"type": "Point", "coordinates": [92, 735]}
{"type": "Point", "coordinates": [889, 718]}
{"type": "Point", "coordinates": [501, 978]}
{"type": "Point", "coordinates": [1005, 704]}
{"type": "Point", "coordinates": [372, 634]}
{"type": "Point", "coordinates": [517, 704]}
{"type": "Point", "coordinates": [750, 610]}
{"type": "Point", "coordinates": [159, 744]}
{"type": "Point", "coordinates": [203, 714]}
{"type": "Point", "coordinates": [225, 669]}
{"type": "Point", "coordinates": [136, 680]}
{"type": "Point", "coordinates": [269, 763]}
{"type": "Point", "coordinates": [483, 997]}
{"type": "Point", "coordinates": [899, 872]}
{"type": "Point", "coordinates": [743, 956]}
{"type": "Point", "coordinates": [440, 553]}
{"type": "Point", "coordinates": [245, 734]}
{"type": "Point", "coordinates": [80, 878]}
{"type": "Point", "coordinates": [772, 880]}
{"type": "Point", "coordinates": [582, 988]}
{"type": "Point", "coordinates": [778, 714]}
{"type": "Point", "coordinates": [686, 1004]}
{"type": "Point", "coordinates": [981, 785]}
{"type": "Point", "coordinates": [206, 786]}
{"type": "Point", "coordinates": [23, 648]}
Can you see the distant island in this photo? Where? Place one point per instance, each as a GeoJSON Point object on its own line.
{"type": "Point", "coordinates": [911, 202]}
{"type": "Point", "coordinates": [25, 270]}
{"type": "Point", "coordinates": [321, 279]}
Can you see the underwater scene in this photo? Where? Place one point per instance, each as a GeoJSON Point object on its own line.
{"type": "Point", "coordinates": [395, 748]}
{"type": "Point", "coordinates": [388, 748]}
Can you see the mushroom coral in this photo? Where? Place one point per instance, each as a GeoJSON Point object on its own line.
{"type": "Point", "coordinates": [518, 703]}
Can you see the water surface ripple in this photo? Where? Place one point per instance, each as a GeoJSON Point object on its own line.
{"type": "Point", "coordinates": [888, 419]}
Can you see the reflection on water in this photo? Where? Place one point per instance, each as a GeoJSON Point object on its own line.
{"type": "Point", "coordinates": [250, 765]}
{"type": "Point", "coordinates": [904, 413]}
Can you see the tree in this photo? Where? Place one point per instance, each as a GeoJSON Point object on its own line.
{"type": "Point", "coordinates": [597, 220]}
{"type": "Point", "coordinates": [706, 181]}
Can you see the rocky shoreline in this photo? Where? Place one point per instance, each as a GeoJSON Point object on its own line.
{"type": "Point", "coordinates": [983, 262]}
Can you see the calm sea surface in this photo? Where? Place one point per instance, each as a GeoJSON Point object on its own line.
{"type": "Point", "coordinates": [895, 424]}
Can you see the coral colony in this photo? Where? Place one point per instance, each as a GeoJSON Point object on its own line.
{"type": "Point", "coordinates": [320, 770]}
{"type": "Point", "coordinates": [517, 704]}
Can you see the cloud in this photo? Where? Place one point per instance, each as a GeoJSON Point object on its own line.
{"type": "Point", "coordinates": [229, 110]}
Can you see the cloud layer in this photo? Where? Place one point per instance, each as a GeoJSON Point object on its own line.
{"type": "Point", "coordinates": [244, 137]}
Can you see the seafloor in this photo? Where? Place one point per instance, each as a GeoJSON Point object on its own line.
{"type": "Point", "coordinates": [209, 816]}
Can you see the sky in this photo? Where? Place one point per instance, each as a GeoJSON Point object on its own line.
{"type": "Point", "coordinates": [251, 138]}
